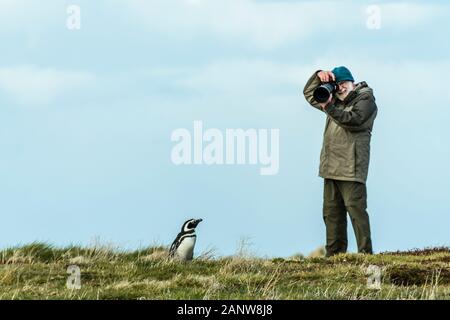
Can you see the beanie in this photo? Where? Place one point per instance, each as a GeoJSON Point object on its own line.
{"type": "Point", "coordinates": [342, 74]}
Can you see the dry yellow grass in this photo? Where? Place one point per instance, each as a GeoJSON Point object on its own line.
{"type": "Point", "coordinates": [39, 271]}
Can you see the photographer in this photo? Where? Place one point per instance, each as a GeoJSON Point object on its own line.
{"type": "Point", "coordinates": [344, 159]}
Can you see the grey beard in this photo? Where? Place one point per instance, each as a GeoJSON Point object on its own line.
{"type": "Point", "coordinates": [342, 96]}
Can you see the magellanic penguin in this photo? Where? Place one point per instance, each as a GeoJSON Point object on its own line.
{"type": "Point", "coordinates": [182, 247]}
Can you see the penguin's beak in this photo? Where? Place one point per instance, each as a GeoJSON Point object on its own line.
{"type": "Point", "coordinates": [198, 221]}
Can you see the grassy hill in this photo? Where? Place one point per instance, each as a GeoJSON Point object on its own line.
{"type": "Point", "coordinates": [39, 271]}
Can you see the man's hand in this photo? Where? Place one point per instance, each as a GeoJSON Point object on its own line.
{"type": "Point", "coordinates": [325, 104]}
{"type": "Point", "coordinates": [326, 76]}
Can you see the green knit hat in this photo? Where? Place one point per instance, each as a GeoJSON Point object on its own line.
{"type": "Point", "coordinates": [342, 74]}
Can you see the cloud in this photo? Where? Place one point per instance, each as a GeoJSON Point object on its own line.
{"type": "Point", "coordinates": [270, 24]}
{"type": "Point", "coordinates": [31, 85]}
{"type": "Point", "coordinates": [406, 15]}
{"type": "Point", "coordinates": [20, 15]}
{"type": "Point", "coordinates": [243, 77]}
{"type": "Point", "coordinates": [264, 24]}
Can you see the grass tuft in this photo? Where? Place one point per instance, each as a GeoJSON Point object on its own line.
{"type": "Point", "coordinates": [39, 271]}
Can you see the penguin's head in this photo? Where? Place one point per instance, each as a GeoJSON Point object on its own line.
{"type": "Point", "coordinates": [191, 224]}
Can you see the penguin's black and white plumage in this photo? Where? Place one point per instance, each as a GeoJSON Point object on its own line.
{"type": "Point", "coordinates": [182, 247]}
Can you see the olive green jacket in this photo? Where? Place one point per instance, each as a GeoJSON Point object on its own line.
{"type": "Point", "coordinates": [346, 143]}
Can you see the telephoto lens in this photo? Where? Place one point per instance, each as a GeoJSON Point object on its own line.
{"type": "Point", "coordinates": [323, 92]}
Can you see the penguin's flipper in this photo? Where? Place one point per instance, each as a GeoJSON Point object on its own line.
{"type": "Point", "coordinates": [173, 247]}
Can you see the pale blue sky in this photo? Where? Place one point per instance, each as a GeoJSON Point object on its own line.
{"type": "Point", "coordinates": [86, 118]}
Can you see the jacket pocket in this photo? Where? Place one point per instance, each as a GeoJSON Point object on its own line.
{"type": "Point", "coordinates": [341, 159]}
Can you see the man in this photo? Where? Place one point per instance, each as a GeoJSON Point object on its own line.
{"type": "Point", "coordinates": [344, 159]}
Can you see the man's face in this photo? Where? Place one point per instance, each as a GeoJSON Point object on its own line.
{"type": "Point", "coordinates": [344, 88]}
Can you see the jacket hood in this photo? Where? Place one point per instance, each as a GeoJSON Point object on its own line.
{"type": "Point", "coordinates": [360, 88]}
{"type": "Point", "coordinates": [363, 87]}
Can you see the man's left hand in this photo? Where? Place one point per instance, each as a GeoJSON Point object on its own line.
{"type": "Point", "coordinates": [325, 104]}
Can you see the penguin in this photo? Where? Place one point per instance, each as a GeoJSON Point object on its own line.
{"type": "Point", "coordinates": [182, 247]}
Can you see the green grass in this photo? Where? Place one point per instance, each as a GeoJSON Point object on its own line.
{"type": "Point", "coordinates": [39, 271]}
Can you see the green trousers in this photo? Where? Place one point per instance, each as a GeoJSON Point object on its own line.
{"type": "Point", "coordinates": [340, 197]}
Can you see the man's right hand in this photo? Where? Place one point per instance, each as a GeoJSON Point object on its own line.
{"type": "Point", "coordinates": [326, 76]}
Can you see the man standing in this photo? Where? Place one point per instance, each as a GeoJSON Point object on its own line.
{"type": "Point", "coordinates": [344, 159]}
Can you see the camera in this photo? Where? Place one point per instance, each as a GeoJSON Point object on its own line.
{"type": "Point", "coordinates": [322, 93]}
